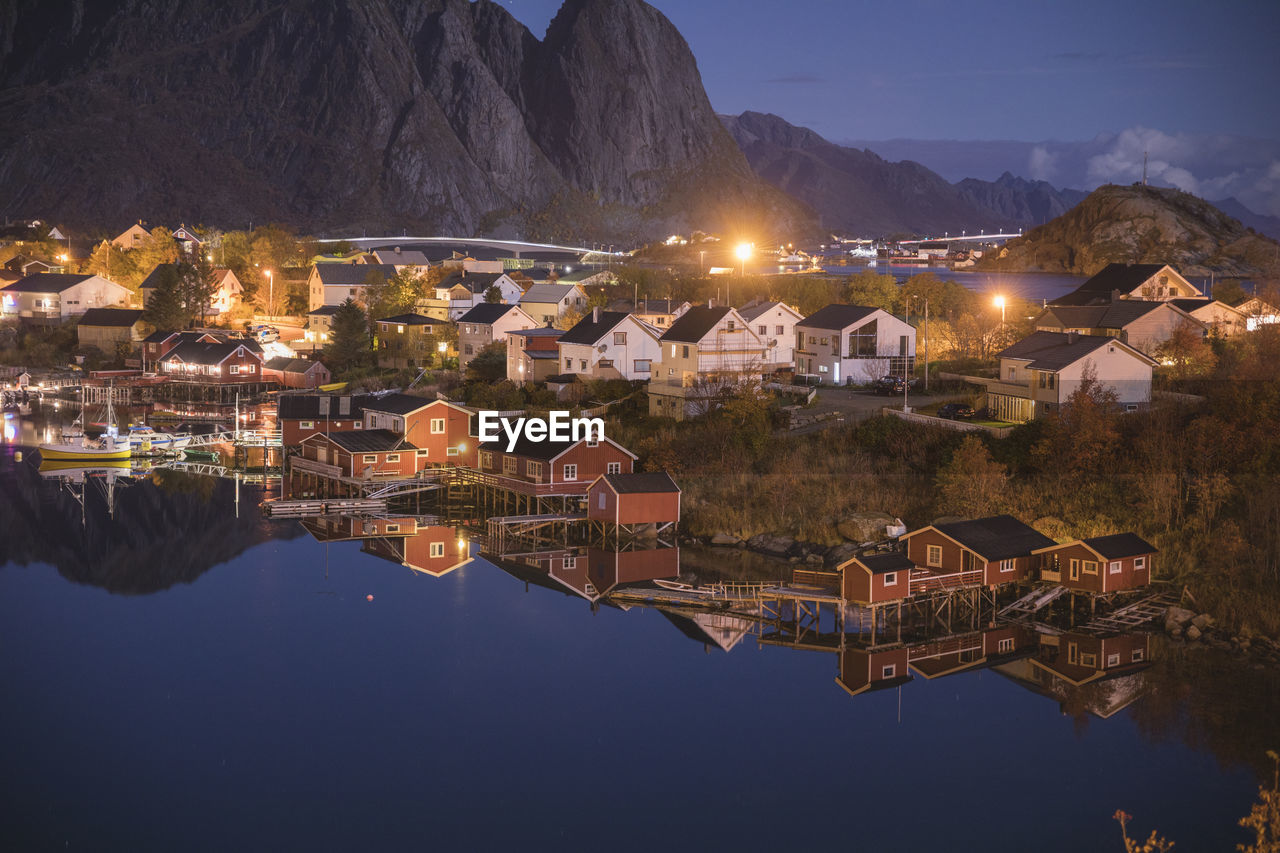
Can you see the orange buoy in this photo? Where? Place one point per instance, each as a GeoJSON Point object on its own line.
{"type": "Point", "coordinates": [368, 598]}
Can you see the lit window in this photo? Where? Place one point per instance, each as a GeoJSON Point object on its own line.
{"type": "Point", "coordinates": [437, 426]}
{"type": "Point", "coordinates": [399, 329]}
{"type": "Point", "coordinates": [452, 451]}
{"type": "Point", "coordinates": [307, 424]}
{"type": "Point", "coordinates": [437, 549]}
{"type": "Point", "coordinates": [934, 555]}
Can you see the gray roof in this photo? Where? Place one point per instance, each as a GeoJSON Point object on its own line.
{"type": "Point", "coordinates": [45, 282]}
{"type": "Point", "coordinates": [397, 404]}
{"type": "Point", "coordinates": [588, 330]}
{"type": "Point", "coordinates": [1113, 277]}
{"type": "Point", "coordinates": [476, 282]}
{"type": "Point", "coordinates": [369, 440]}
{"type": "Point", "coordinates": [539, 332]}
{"type": "Point", "coordinates": [198, 352]}
{"type": "Point", "coordinates": [352, 274]}
{"type": "Point", "coordinates": [307, 406]}
{"type": "Point", "coordinates": [486, 313]}
{"type": "Point", "coordinates": [836, 316]}
{"type": "Point", "coordinates": [548, 292]}
{"type": "Point", "coordinates": [324, 311]}
{"type": "Point", "coordinates": [693, 325]}
{"type": "Point", "coordinates": [753, 311]}
{"type": "Point", "coordinates": [1117, 315]}
{"type": "Point", "coordinates": [1056, 350]}
{"type": "Point", "coordinates": [1117, 546]}
{"type": "Point", "coordinates": [413, 320]}
{"type": "Point", "coordinates": [122, 317]}
{"type": "Point", "coordinates": [878, 564]}
{"type": "Point", "coordinates": [999, 537]}
{"type": "Point", "coordinates": [291, 365]}
{"type": "Point", "coordinates": [399, 257]}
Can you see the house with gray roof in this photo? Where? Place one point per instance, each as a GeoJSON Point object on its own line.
{"type": "Point", "coordinates": [333, 284]}
{"type": "Point", "coordinates": [1131, 281]}
{"type": "Point", "coordinates": [1141, 323]}
{"type": "Point", "coordinates": [609, 345]}
{"type": "Point", "coordinates": [854, 344]}
{"type": "Point", "coordinates": [545, 303]}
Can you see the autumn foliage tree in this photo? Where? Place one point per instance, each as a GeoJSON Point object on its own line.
{"type": "Point", "coordinates": [973, 484]}
{"type": "Point", "coordinates": [1187, 352]}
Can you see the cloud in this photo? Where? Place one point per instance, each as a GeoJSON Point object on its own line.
{"type": "Point", "coordinates": [798, 79]}
{"type": "Point", "coordinates": [1042, 164]}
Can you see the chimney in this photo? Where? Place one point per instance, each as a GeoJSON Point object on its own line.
{"type": "Point", "coordinates": [1071, 337]}
{"type": "Point", "coordinates": [710, 302]}
{"type": "Point", "coordinates": [595, 314]}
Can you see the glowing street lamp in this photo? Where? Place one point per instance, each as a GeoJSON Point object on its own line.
{"type": "Point", "coordinates": [1000, 304]}
{"type": "Point", "coordinates": [271, 290]}
{"type": "Point", "coordinates": [743, 253]}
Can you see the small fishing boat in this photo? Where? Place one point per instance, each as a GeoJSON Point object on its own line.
{"type": "Point", "coordinates": [681, 586]}
{"type": "Point", "coordinates": [110, 446]}
{"type": "Point", "coordinates": [144, 440]}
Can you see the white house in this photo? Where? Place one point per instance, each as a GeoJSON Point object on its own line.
{"type": "Point", "coordinates": [1131, 281]}
{"type": "Point", "coordinates": [228, 291]}
{"type": "Point", "coordinates": [1039, 373]}
{"type": "Point", "coordinates": [854, 344]}
{"type": "Point", "coordinates": [465, 290]}
{"type": "Point", "coordinates": [775, 324]}
{"type": "Point", "coordinates": [400, 258]}
{"type": "Point", "coordinates": [53, 298]}
{"type": "Point", "coordinates": [706, 351]}
{"type": "Point", "coordinates": [609, 345]}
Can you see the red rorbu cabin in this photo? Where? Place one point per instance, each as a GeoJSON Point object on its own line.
{"type": "Point", "coordinates": [876, 578]}
{"type": "Point", "coordinates": [1102, 564]}
{"type": "Point", "coordinates": [432, 550]}
{"type": "Point", "coordinates": [862, 670]}
{"type": "Point", "coordinates": [553, 467]}
{"type": "Point", "coordinates": [982, 552]}
{"type": "Point", "coordinates": [303, 415]}
{"type": "Point", "coordinates": [366, 454]}
{"type": "Point", "coordinates": [624, 500]}
{"type": "Point", "coordinates": [441, 429]}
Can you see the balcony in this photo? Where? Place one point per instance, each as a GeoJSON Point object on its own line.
{"type": "Point", "coordinates": [1009, 389]}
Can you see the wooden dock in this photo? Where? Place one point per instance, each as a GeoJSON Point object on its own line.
{"type": "Point", "coordinates": [308, 508]}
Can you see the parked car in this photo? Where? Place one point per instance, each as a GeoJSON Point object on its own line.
{"type": "Point", "coordinates": [892, 385]}
{"type": "Point", "coordinates": [955, 411]}
{"type": "Point", "coordinates": [265, 334]}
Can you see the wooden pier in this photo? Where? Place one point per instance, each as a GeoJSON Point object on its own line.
{"type": "Point", "coordinates": [309, 508]}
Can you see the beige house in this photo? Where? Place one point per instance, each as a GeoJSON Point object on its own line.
{"type": "Point", "coordinates": [1258, 313]}
{"type": "Point", "coordinates": [1131, 281]}
{"type": "Point", "coordinates": [487, 323]}
{"type": "Point", "coordinates": [53, 298]}
{"type": "Point", "coordinates": [533, 355]}
{"type": "Point", "coordinates": [333, 284]}
{"type": "Point", "coordinates": [1219, 318]}
{"type": "Point", "coordinates": [132, 237]}
{"type": "Point", "coordinates": [1039, 373]}
{"type": "Point", "coordinates": [228, 291]}
{"type": "Point", "coordinates": [708, 351]}
{"type": "Point", "coordinates": [659, 313]}
{"type": "Point", "coordinates": [106, 329]}
{"type": "Point", "coordinates": [1143, 324]}
{"type": "Point", "coordinates": [546, 303]}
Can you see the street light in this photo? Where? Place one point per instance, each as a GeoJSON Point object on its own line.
{"type": "Point", "coordinates": [743, 252]}
{"type": "Point", "coordinates": [1000, 305]}
{"type": "Point", "coordinates": [271, 290]}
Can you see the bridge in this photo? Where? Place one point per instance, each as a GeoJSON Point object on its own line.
{"type": "Point", "coordinates": [965, 237]}
{"type": "Point", "coordinates": [513, 246]}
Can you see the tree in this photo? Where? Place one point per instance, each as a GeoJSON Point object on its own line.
{"type": "Point", "coordinates": [351, 345]}
{"type": "Point", "coordinates": [493, 295]}
{"type": "Point", "coordinates": [489, 364]}
{"type": "Point", "coordinates": [198, 286]}
{"type": "Point", "coordinates": [275, 247]}
{"type": "Point", "coordinates": [165, 307]}
{"type": "Point", "coordinates": [568, 318]}
{"type": "Point", "coordinates": [873, 290]}
{"type": "Point", "coordinates": [111, 262]}
{"type": "Point", "coordinates": [972, 483]}
{"type": "Point", "coordinates": [398, 294]}
{"type": "Point", "coordinates": [1187, 352]}
{"type": "Point", "coordinates": [159, 247]}
{"type": "Point", "coordinates": [1081, 438]}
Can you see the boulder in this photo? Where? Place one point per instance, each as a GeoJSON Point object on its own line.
{"type": "Point", "coordinates": [1204, 620]}
{"type": "Point", "coordinates": [1192, 632]}
{"type": "Point", "coordinates": [723, 539]}
{"type": "Point", "coordinates": [813, 559]}
{"type": "Point", "coordinates": [774, 546]}
{"type": "Point", "coordinates": [1180, 616]}
{"type": "Point", "coordinates": [840, 553]}
{"type": "Point", "coordinates": [865, 526]}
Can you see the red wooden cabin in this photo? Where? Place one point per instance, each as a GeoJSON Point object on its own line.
{"type": "Point", "coordinates": [1100, 564]}
{"type": "Point", "coordinates": [982, 552]}
{"type": "Point", "coordinates": [553, 467]}
{"type": "Point", "coordinates": [875, 578]}
{"type": "Point", "coordinates": [441, 429]}
{"type": "Point", "coordinates": [634, 499]}
{"type": "Point", "coordinates": [862, 670]}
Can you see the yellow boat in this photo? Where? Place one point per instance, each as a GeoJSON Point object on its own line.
{"type": "Point", "coordinates": [108, 449]}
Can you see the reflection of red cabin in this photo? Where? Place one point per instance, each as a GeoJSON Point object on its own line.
{"type": "Point", "coordinates": [433, 550]}
{"type": "Point", "coordinates": [442, 430]}
{"type": "Point", "coordinates": [1082, 658]}
{"type": "Point", "coordinates": [365, 453]}
{"type": "Point", "coordinates": [626, 499]}
{"type": "Point", "coordinates": [862, 670]}
{"type": "Point", "coordinates": [608, 569]}
{"type": "Point", "coordinates": [554, 467]}
{"type": "Point", "coordinates": [875, 578]}
{"type": "Point", "coordinates": [949, 655]}
{"type": "Point", "coordinates": [990, 551]}
{"type": "Point", "coordinates": [1101, 564]}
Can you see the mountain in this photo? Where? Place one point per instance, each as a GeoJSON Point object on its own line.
{"type": "Point", "coordinates": [1019, 200]}
{"type": "Point", "coordinates": [1141, 224]}
{"type": "Point", "coordinates": [1263, 224]}
{"type": "Point", "coordinates": [431, 115]}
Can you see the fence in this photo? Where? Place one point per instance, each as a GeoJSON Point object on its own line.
{"type": "Point", "coordinates": [958, 426]}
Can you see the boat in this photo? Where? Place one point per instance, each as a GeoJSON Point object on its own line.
{"type": "Point", "coordinates": [681, 586]}
{"type": "Point", "coordinates": [109, 447]}
{"type": "Point", "coordinates": [143, 440]}
{"type": "Point", "coordinates": [78, 469]}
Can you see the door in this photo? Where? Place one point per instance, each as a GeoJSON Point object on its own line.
{"type": "Point", "coordinates": [1074, 573]}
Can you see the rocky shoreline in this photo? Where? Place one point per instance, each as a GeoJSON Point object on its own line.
{"type": "Point", "coordinates": [863, 530]}
{"type": "Point", "coordinates": [1200, 630]}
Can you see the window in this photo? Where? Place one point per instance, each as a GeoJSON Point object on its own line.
{"type": "Point", "coordinates": [570, 563]}
{"type": "Point", "coordinates": [730, 327]}
{"type": "Point", "coordinates": [933, 555]}
{"type": "Point", "coordinates": [1139, 563]}
{"type": "Point", "coordinates": [1138, 654]}
{"type": "Point", "coordinates": [393, 528]}
{"type": "Point", "coordinates": [508, 464]}
{"type": "Point", "coordinates": [568, 364]}
{"type": "Point", "coordinates": [533, 469]}
{"type": "Point", "coordinates": [1013, 373]}
{"type": "Point", "coordinates": [600, 499]}
{"type": "Point", "coordinates": [235, 369]}
{"type": "Point", "coordinates": [1088, 659]}
{"type": "Point", "coordinates": [570, 473]}
{"type": "Point", "coordinates": [641, 365]}
{"type": "Point", "coordinates": [1073, 654]}
{"type": "Point", "coordinates": [762, 329]}
{"type": "Point", "coordinates": [591, 442]}
{"type": "Point", "coordinates": [451, 451]}
{"type": "Point", "coordinates": [486, 460]}
{"type": "Point", "coordinates": [1052, 379]}
{"type": "Point", "coordinates": [468, 349]}
{"type": "Point", "coordinates": [1114, 567]}
{"type": "Point", "coordinates": [1005, 645]}
{"type": "Point", "coordinates": [673, 350]}
{"type": "Point", "coordinates": [684, 352]}
{"type": "Point", "coordinates": [351, 291]}
{"type": "Point", "coordinates": [889, 671]}
{"type": "Point", "coordinates": [369, 458]}
{"type": "Point", "coordinates": [437, 549]}
{"type": "Point", "coordinates": [1006, 565]}
{"type": "Point", "coordinates": [399, 329]}
{"type": "Point", "coordinates": [822, 368]}
{"type": "Point", "coordinates": [1130, 407]}
{"type": "Point", "coordinates": [583, 362]}
{"type": "Point", "coordinates": [777, 330]}
{"type": "Point", "coordinates": [890, 578]}
{"type": "Point", "coordinates": [613, 468]}
{"type": "Point", "coordinates": [307, 424]}
{"type": "Point", "coordinates": [248, 368]}
{"type": "Point", "coordinates": [1113, 660]}
{"type": "Point", "coordinates": [423, 454]}
{"type": "Point", "coordinates": [1043, 379]}
{"type": "Point", "coordinates": [393, 457]}
{"type": "Point", "coordinates": [605, 362]}
{"type": "Point", "coordinates": [1089, 567]}
{"type": "Point", "coordinates": [437, 426]}
{"type": "Point", "coordinates": [619, 338]}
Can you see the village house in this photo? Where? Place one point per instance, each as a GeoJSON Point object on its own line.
{"type": "Point", "coordinates": [1099, 564]}
{"type": "Point", "coordinates": [866, 670]}
{"type": "Point", "coordinates": [854, 344]}
{"type": "Point", "coordinates": [202, 367]}
{"type": "Point", "coordinates": [659, 313]}
{"type": "Point", "coordinates": [459, 262]}
{"type": "Point", "coordinates": [303, 415]}
{"type": "Point", "coordinates": [775, 324]}
{"type": "Point", "coordinates": [295, 372]}
{"type": "Point", "coordinates": [533, 355]}
{"type": "Point", "coordinates": [936, 658]}
{"type": "Point", "coordinates": [875, 578]}
{"type": "Point", "coordinates": [1078, 658]}
{"type": "Point", "coordinates": [187, 239]}
{"type": "Point", "coordinates": [429, 549]}
{"type": "Point", "coordinates": [1151, 282]}
{"type": "Point", "coordinates": [553, 467]}
{"type": "Point", "coordinates": [465, 290]}
{"type": "Point", "coordinates": [587, 278]}
{"type": "Point", "coordinates": [55, 298]}
{"type": "Point", "coordinates": [227, 291]}
{"type": "Point", "coordinates": [319, 325]}
{"type": "Point", "coordinates": [132, 237]}
{"type": "Point", "coordinates": [547, 303]}
{"type": "Point", "coordinates": [1143, 324]}
{"type": "Point", "coordinates": [1040, 372]}
{"type": "Point", "coordinates": [411, 340]}
{"type": "Point", "coordinates": [333, 284]}
{"type": "Point", "coordinates": [400, 259]}
{"type": "Point", "coordinates": [1219, 318]}
{"type": "Point", "coordinates": [109, 329]}
{"type": "Point", "coordinates": [983, 552]}
{"type": "Point", "coordinates": [24, 265]}
{"type": "Point", "coordinates": [707, 352]}
{"type": "Point", "coordinates": [366, 454]}
{"type": "Point", "coordinates": [609, 345]}
{"type": "Point", "coordinates": [488, 323]}
{"type": "Point", "coordinates": [630, 501]}
{"type": "Point", "coordinates": [441, 431]}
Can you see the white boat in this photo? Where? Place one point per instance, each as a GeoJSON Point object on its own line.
{"type": "Point", "coordinates": [144, 439]}
{"type": "Point", "coordinates": [681, 586]}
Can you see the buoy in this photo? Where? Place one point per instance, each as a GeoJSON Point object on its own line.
{"type": "Point", "coordinates": [17, 456]}
{"type": "Point", "coordinates": [368, 598]}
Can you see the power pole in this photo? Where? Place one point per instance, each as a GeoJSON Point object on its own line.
{"type": "Point", "coordinates": [1144, 168]}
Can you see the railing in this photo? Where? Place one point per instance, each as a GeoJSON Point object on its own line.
{"type": "Point", "coordinates": [829, 581]}
{"type": "Point", "coordinates": [314, 466]}
{"type": "Point", "coordinates": [524, 487]}
{"type": "Point", "coordinates": [948, 646]}
{"type": "Point", "coordinates": [1050, 575]}
{"type": "Point", "coordinates": [923, 581]}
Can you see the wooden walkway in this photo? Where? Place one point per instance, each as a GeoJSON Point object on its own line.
{"type": "Point", "coordinates": [306, 508]}
{"type": "Point", "coordinates": [1033, 602]}
{"type": "Point", "coordinates": [1145, 610]}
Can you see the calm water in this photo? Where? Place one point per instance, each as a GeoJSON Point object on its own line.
{"type": "Point", "coordinates": [183, 675]}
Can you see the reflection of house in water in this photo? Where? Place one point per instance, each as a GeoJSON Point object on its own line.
{"type": "Point", "coordinates": [722, 630]}
{"type": "Point", "coordinates": [590, 572]}
{"type": "Point", "coordinates": [1098, 674]}
{"type": "Point", "coordinates": [863, 670]}
{"type": "Point", "coordinates": [876, 667]}
{"type": "Point", "coordinates": [418, 542]}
